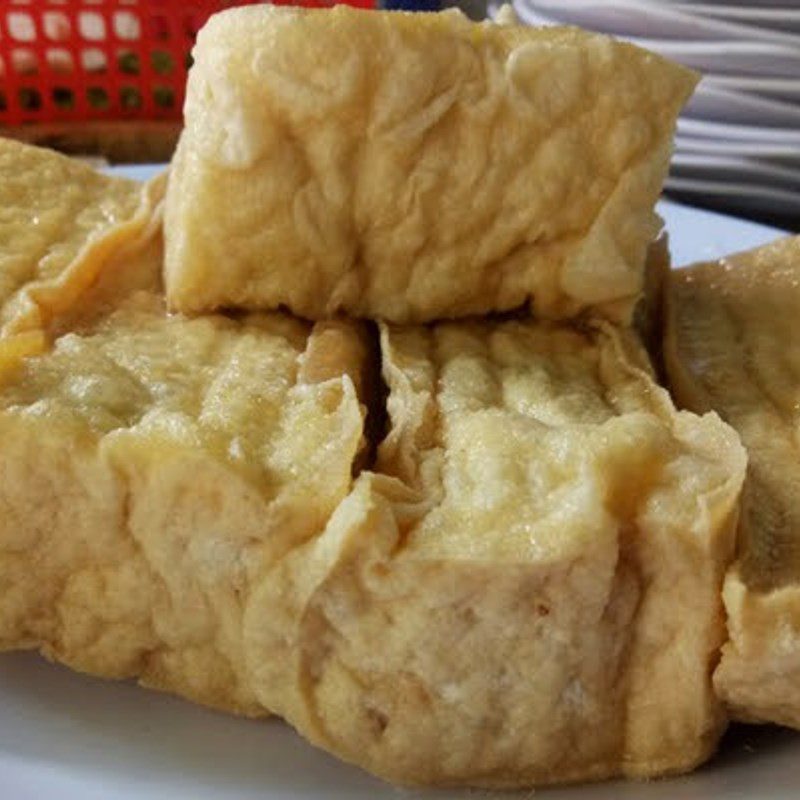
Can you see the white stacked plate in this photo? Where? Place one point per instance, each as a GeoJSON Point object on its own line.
{"type": "Point", "coordinates": [738, 141]}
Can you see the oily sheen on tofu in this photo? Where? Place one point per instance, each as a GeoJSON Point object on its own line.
{"type": "Point", "coordinates": [60, 220]}
{"type": "Point", "coordinates": [153, 469]}
{"type": "Point", "coordinates": [528, 590]}
{"type": "Point", "coordinates": [414, 167]}
{"type": "Point", "coordinates": [732, 346]}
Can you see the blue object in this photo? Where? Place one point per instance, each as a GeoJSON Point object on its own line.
{"type": "Point", "coordinates": [411, 5]}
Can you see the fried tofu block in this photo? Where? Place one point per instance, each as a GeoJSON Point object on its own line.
{"type": "Point", "coordinates": [413, 167]}
{"type": "Point", "coordinates": [153, 469]}
{"type": "Point", "coordinates": [529, 590]}
{"type": "Point", "coordinates": [60, 220]}
{"type": "Point", "coordinates": [732, 345]}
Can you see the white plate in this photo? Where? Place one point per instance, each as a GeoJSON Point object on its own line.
{"type": "Point", "coordinates": [67, 737]}
{"type": "Point", "coordinates": [699, 235]}
{"type": "Point", "coordinates": [649, 19]}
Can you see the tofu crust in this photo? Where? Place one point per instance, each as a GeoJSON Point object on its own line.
{"type": "Point", "coordinates": [528, 590]}
{"type": "Point", "coordinates": [445, 168]}
{"type": "Point", "coordinates": [152, 467]}
{"type": "Point", "coordinates": [522, 587]}
{"type": "Point", "coordinates": [731, 345]}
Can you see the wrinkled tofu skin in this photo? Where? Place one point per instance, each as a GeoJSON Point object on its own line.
{"type": "Point", "coordinates": [444, 168]}
{"type": "Point", "coordinates": [509, 596]}
{"type": "Point", "coordinates": [60, 221]}
{"type": "Point", "coordinates": [152, 469]}
{"type": "Point", "coordinates": [529, 591]}
{"type": "Point", "coordinates": [732, 346]}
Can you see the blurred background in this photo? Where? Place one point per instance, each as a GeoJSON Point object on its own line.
{"type": "Point", "coordinates": [105, 79]}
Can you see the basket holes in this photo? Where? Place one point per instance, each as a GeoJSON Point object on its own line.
{"type": "Point", "coordinates": [128, 62]}
{"type": "Point", "coordinates": [94, 60]}
{"type": "Point", "coordinates": [189, 61]}
{"type": "Point", "coordinates": [92, 26]}
{"type": "Point", "coordinates": [98, 98]}
{"type": "Point", "coordinates": [21, 26]}
{"type": "Point", "coordinates": [63, 98]}
{"type": "Point", "coordinates": [24, 61]}
{"type": "Point", "coordinates": [3, 101]}
{"type": "Point", "coordinates": [164, 96]}
{"type": "Point", "coordinates": [162, 62]}
{"type": "Point", "coordinates": [127, 26]}
{"type": "Point", "coordinates": [60, 60]}
{"type": "Point", "coordinates": [29, 99]}
{"type": "Point", "coordinates": [56, 26]}
{"type": "Point", "coordinates": [130, 98]}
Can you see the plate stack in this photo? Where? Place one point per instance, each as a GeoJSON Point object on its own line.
{"type": "Point", "coordinates": [738, 142]}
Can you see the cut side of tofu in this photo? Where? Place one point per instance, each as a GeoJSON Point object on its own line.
{"type": "Point", "coordinates": [731, 346]}
{"type": "Point", "coordinates": [153, 469]}
{"type": "Point", "coordinates": [527, 591]}
{"type": "Point", "coordinates": [414, 167]}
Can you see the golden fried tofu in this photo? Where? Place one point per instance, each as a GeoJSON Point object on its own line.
{"type": "Point", "coordinates": [732, 345]}
{"type": "Point", "coordinates": [60, 220]}
{"type": "Point", "coordinates": [413, 167]}
{"type": "Point", "coordinates": [522, 587]}
{"type": "Point", "coordinates": [528, 591]}
{"type": "Point", "coordinates": [152, 471]}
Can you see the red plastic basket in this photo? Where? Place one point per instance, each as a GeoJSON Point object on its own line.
{"type": "Point", "coordinates": [81, 60]}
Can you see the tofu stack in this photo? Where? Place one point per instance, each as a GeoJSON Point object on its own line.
{"type": "Point", "coordinates": [152, 467]}
{"type": "Point", "coordinates": [255, 451]}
